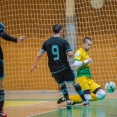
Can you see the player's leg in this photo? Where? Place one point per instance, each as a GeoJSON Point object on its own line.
{"type": "Point", "coordinates": [93, 97]}
{"type": "Point", "coordinates": [83, 82]}
{"type": "Point", "coordinates": [85, 86]}
{"type": "Point", "coordinates": [99, 93]}
{"type": "Point", "coordinates": [60, 80]}
{"type": "Point", "coordinates": [88, 90]}
{"type": "Point", "coordinates": [80, 93]}
{"type": "Point", "coordinates": [77, 98]}
{"type": "Point", "coordinates": [64, 91]}
{"type": "Point", "coordinates": [2, 93]}
{"type": "Point", "coordinates": [70, 77]}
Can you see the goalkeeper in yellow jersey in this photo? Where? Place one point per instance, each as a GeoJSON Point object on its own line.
{"type": "Point", "coordinates": [82, 61]}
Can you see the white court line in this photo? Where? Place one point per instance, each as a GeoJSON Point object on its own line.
{"type": "Point", "coordinates": [45, 112]}
{"type": "Point", "coordinates": [51, 111]}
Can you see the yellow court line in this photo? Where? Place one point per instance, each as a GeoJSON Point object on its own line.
{"type": "Point", "coordinates": [21, 103]}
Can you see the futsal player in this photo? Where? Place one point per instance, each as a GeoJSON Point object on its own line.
{"type": "Point", "coordinates": [57, 50]}
{"type": "Point", "coordinates": [6, 37]}
{"type": "Point", "coordinates": [82, 61]}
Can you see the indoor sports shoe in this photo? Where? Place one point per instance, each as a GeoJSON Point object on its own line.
{"type": "Point", "coordinates": [3, 115]}
{"type": "Point", "coordinates": [68, 105]}
{"type": "Point", "coordinates": [85, 103]}
{"type": "Point", "coordinates": [60, 100]}
{"type": "Point", "coordinates": [73, 102]}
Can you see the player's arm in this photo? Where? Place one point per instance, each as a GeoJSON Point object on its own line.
{"type": "Point", "coordinates": [38, 57]}
{"type": "Point", "coordinates": [69, 53]}
{"type": "Point", "coordinates": [7, 37]}
{"type": "Point", "coordinates": [78, 63]}
{"type": "Point", "coordinates": [68, 49]}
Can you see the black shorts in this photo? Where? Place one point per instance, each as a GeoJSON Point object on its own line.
{"type": "Point", "coordinates": [65, 75]}
{"type": "Point", "coordinates": [1, 69]}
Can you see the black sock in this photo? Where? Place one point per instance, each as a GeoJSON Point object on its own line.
{"type": "Point", "coordinates": [65, 92]}
{"type": "Point", "coordinates": [80, 91]}
{"type": "Point", "coordinates": [1, 105]}
{"type": "Point", "coordinates": [2, 95]}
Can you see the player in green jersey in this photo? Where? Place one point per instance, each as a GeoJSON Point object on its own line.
{"type": "Point", "coordinates": [82, 62]}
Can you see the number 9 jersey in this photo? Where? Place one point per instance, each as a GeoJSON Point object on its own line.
{"type": "Point", "coordinates": [56, 48]}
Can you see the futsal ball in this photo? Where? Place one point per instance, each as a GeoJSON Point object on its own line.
{"type": "Point", "coordinates": [110, 87]}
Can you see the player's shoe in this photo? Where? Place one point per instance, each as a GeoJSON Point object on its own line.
{"type": "Point", "coordinates": [85, 103]}
{"type": "Point", "coordinates": [60, 100]}
{"type": "Point", "coordinates": [3, 114]}
{"type": "Point", "coordinates": [73, 102]}
{"type": "Point", "coordinates": [68, 105]}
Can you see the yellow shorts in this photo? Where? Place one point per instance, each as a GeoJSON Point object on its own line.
{"type": "Point", "coordinates": [87, 83]}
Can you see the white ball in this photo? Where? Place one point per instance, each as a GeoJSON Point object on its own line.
{"type": "Point", "coordinates": [110, 87]}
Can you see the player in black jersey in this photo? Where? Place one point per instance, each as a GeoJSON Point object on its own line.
{"type": "Point", "coordinates": [7, 37]}
{"type": "Point", "coordinates": [57, 50]}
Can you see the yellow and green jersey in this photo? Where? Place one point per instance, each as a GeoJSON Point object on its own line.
{"type": "Point", "coordinates": [84, 70]}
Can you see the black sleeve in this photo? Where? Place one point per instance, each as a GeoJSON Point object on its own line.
{"type": "Point", "coordinates": [44, 46]}
{"type": "Point", "coordinates": [7, 37]}
{"type": "Point", "coordinates": [67, 46]}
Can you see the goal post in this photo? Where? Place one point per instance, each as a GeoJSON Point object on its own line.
{"type": "Point", "coordinates": [71, 33]}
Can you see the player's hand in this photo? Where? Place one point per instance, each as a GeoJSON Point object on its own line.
{"type": "Point", "coordinates": [21, 38]}
{"type": "Point", "coordinates": [33, 67]}
{"type": "Point", "coordinates": [73, 66]}
{"type": "Point", "coordinates": [89, 60]}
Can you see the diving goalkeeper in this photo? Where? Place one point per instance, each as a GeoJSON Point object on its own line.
{"type": "Point", "coordinates": [92, 91]}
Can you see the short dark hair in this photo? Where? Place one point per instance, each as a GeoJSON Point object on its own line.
{"type": "Point", "coordinates": [57, 28]}
{"type": "Point", "coordinates": [86, 38]}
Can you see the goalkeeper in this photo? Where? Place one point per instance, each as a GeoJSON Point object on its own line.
{"type": "Point", "coordinates": [7, 37]}
{"type": "Point", "coordinates": [92, 91]}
